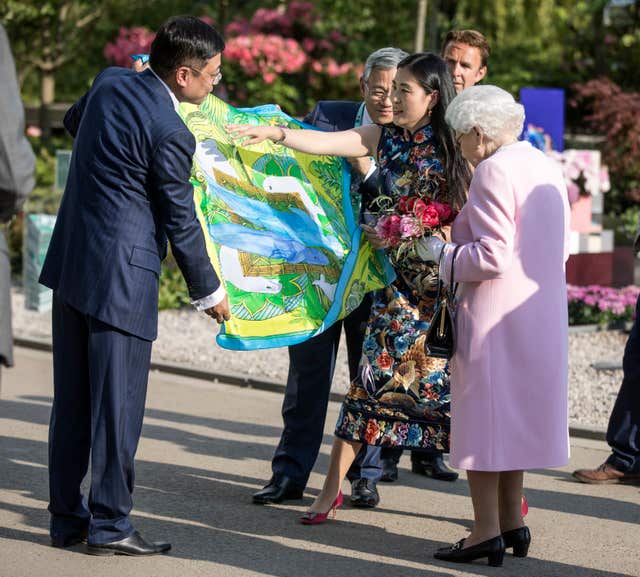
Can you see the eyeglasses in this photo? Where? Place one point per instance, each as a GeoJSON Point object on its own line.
{"type": "Point", "coordinates": [459, 136]}
{"type": "Point", "coordinates": [379, 94]}
{"type": "Point", "coordinates": [212, 79]}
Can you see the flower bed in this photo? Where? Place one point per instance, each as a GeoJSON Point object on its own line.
{"type": "Point", "coordinates": [595, 304]}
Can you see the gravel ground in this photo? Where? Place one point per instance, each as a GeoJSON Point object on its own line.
{"type": "Point", "coordinates": [187, 337]}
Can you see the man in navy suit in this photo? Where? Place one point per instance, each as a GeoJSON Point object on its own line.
{"type": "Point", "coordinates": [312, 363]}
{"type": "Point", "coordinates": [128, 190]}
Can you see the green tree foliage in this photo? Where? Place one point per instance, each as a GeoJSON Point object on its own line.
{"type": "Point", "coordinates": [66, 38]}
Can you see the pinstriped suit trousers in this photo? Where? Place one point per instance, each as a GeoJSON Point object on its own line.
{"type": "Point", "coordinates": [100, 378]}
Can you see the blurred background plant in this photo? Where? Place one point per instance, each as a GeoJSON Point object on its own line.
{"type": "Point", "coordinates": [295, 53]}
{"type": "Point", "coordinates": [600, 305]}
{"type": "Point", "coordinates": [614, 113]}
{"type": "Point", "coordinates": [173, 289]}
{"type": "Point", "coordinates": [283, 56]}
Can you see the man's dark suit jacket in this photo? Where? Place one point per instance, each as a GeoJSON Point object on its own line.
{"type": "Point", "coordinates": [128, 189]}
{"type": "Point", "coordinates": [335, 115]}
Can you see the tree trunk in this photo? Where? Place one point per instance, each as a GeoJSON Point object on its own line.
{"type": "Point", "coordinates": [47, 96]}
{"type": "Point", "coordinates": [420, 28]}
{"type": "Point", "coordinates": [433, 31]}
{"type": "Point", "coordinates": [223, 10]}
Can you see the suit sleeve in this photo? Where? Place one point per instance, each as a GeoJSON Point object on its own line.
{"type": "Point", "coordinates": [173, 192]}
{"type": "Point", "coordinates": [491, 214]}
{"type": "Point", "coordinates": [17, 162]}
{"type": "Point", "coordinates": [73, 116]}
{"type": "Point", "coordinates": [312, 117]}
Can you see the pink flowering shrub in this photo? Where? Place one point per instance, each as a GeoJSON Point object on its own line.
{"type": "Point", "coordinates": [267, 55]}
{"type": "Point", "coordinates": [136, 40]}
{"type": "Point", "coordinates": [279, 56]}
{"type": "Point", "coordinates": [595, 304]}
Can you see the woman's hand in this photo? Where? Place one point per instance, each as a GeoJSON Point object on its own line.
{"type": "Point", "coordinates": [372, 236]}
{"type": "Point", "coordinates": [430, 248]}
{"type": "Point", "coordinates": [247, 134]}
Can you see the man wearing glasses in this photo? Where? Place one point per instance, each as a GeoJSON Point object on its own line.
{"type": "Point", "coordinates": [128, 191]}
{"type": "Point", "coordinates": [312, 363]}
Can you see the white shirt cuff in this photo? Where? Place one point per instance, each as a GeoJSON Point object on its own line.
{"type": "Point", "coordinates": [210, 301]}
{"type": "Point", "coordinates": [372, 169]}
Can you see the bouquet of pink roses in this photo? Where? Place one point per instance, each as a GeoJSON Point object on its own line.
{"type": "Point", "coordinates": [403, 222]}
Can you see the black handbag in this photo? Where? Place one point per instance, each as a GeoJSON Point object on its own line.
{"type": "Point", "coordinates": [441, 336]}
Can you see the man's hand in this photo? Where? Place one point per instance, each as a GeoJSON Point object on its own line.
{"type": "Point", "coordinates": [361, 165]}
{"type": "Point", "coordinates": [220, 312]}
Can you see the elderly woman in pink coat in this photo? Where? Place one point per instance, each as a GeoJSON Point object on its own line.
{"type": "Point", "coordinates": [509, 372]}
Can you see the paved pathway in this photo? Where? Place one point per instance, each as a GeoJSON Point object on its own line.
{"type": "Point", "coordinates": [206, 447]}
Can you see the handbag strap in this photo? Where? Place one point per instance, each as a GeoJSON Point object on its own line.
{"type": "Point", "coordinates": [453, 287]}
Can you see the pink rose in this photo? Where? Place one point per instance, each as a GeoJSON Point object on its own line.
{"type": "Point", "coordinates": [409, 227]}
{"type": "Point", "coordinates": [406, 203]}
{"type": "Point", "coordinates": [388, 228]}
{"type": "Point", "coordinates": [443, 210]}
{"type": "Point", "coordinates": [418, 207]}
{"type": "Point", "coordinates": [428, 216]}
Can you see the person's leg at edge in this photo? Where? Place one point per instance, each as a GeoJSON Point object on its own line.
{"type": "Point", "coordinates": [483, 486]}
{"type": "Point", "coordinates": [510, 500]}
{"type": "Point", "coordinates": [342, 455]}
{"type": "Point", "coordinates": [623, 432]}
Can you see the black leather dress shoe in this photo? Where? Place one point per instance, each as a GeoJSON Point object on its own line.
{"type": "Point", "coordinates": [492, 549]}
{"type": "Point", "coordinates": [134, 545]}
{"type": "Point", "coordinates": [389, 470]}
{"type": "Point", "coordinates": [62, 541]}
{"type": "Point", "coordinates": [434, 467]}
{"type": "Point", "coordinates": [519, 539]}
{"type": "Point", "coordinates": [364, 493]}
{"type": "Point", "coordinates": [279, 489]}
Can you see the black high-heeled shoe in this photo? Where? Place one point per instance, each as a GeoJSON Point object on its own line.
{"type": "Point", "coordinates": [493, 549]}
{"type": "Point", "coordinates": [519, 539]}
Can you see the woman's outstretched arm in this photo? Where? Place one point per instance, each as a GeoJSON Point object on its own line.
{"type": "Point", "coordinates": [361, 141]}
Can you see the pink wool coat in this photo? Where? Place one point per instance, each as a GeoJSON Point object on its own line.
{"type": "Point", "coordinates": [510, 369]}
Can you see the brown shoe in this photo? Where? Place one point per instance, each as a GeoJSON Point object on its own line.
{"type": "Point", "coordinates": [605, 474]}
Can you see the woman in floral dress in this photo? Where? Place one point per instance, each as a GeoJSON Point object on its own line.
{"type": "Point", "coordinates": [401, 396]}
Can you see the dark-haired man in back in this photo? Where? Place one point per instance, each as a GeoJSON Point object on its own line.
{"type": "Point", "coordinates": [128, 190]}
{"type": "Point", "coordinates": [467, 53]}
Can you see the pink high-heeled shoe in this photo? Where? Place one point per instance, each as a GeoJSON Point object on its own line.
{"type": "Point", "coordinates": [525, 506]}
{"type": "Point", "coordinates": [313, 518]}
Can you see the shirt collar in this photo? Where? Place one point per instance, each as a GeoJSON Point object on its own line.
{"type": "Point", "coordinates": [366, 119]}
{"type": "Point", "coordinates": [176, 104]}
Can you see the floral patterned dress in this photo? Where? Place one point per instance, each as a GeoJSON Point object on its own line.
{"type": "Point", "coordinates": [400, 397]}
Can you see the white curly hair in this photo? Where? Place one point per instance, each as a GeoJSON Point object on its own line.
{"type": "Point", "coordinates": [491, 109]}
